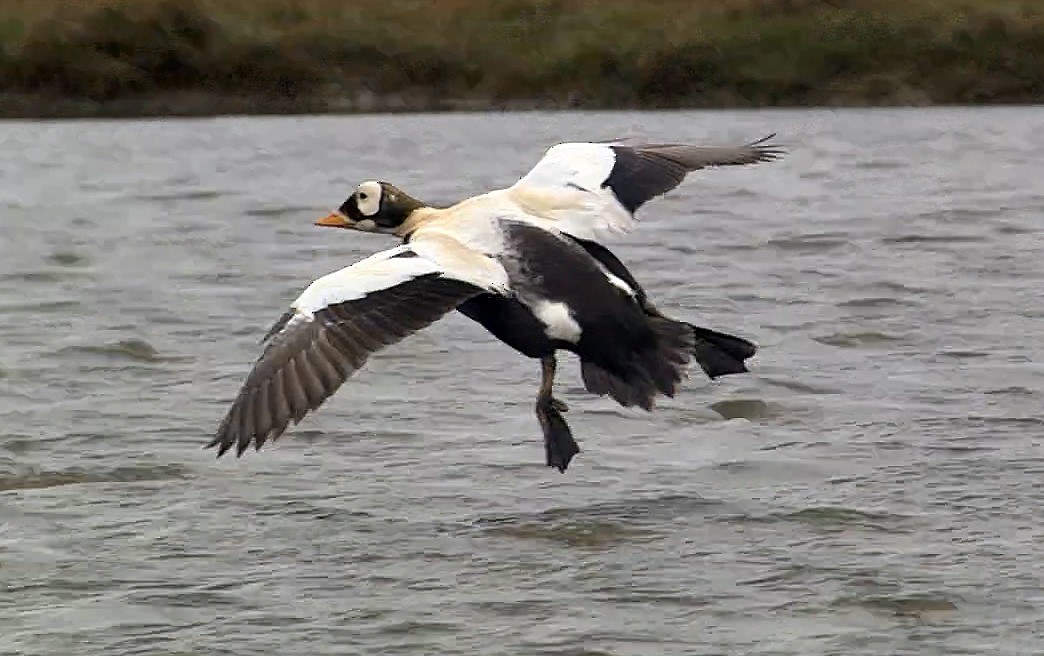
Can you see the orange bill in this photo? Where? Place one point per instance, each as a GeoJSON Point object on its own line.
{"type": "Point", "coordinates": [334, 220]}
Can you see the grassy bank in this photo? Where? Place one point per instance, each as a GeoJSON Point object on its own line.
{"type": "Point", "coordinates": [159, 57]}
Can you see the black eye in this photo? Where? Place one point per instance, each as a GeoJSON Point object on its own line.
{"type": "Point", "coordinates": [362, 196]}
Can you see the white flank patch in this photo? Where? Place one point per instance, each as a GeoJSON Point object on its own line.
{"type": "Point", "coordinates": [558, 321]}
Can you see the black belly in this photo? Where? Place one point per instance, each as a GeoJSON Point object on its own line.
{"type": "Point", "coordinates": [510, 322]}
{"type": "Point", "coordinates": [613, 326]}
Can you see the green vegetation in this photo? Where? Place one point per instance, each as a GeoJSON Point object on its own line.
{"type": "Point", "coordinates": [140, 57]}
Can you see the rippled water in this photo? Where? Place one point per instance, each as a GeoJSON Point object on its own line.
{"type": "Point", "coordinates": [872, 487]}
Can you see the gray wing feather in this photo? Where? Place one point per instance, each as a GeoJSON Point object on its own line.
{"type": "Point", "coordinates": [305, 361]}
{"type": "Point", "coordinates": [643, 171]}
{"type": "Point", "coordinates": [694, 158]}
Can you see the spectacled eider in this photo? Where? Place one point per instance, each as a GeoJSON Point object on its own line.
{"type": "Point", "coordinates": [526, 262]}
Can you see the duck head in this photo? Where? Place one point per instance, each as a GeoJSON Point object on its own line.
{"type": "Point", "coordinates": [373, 207]}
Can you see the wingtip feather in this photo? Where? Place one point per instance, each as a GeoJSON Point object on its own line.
{"type": "Point", "coordinates": [767, 152]}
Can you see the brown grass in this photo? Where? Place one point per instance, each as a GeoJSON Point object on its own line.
{"type": "Point", "coordinates": [120, 56]}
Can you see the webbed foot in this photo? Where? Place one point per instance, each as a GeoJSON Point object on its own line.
{"type": "Point", "coordinates": [559, 445]}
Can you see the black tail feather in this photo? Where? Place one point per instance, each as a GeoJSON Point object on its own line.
{"type": "Point", "coordinates": [720, 354]}
{"type": "Point", "coordinates": [634, 391]}
{"type": "Point", "coordinates": [655, 370]}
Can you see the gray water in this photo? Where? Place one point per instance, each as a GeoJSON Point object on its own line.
{"type": "Point", "coordinates": [873, 486]}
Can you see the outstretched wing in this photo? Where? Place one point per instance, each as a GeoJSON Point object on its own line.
{"type": "Point", "coordinates": [337, 323]}
{"type": "Point", "coordinates": [625, 174]}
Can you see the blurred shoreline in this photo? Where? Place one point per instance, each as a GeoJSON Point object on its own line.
{"type": "Point", "coordinates": [154, 58]}
{"type": "Point", "coordinates": [204, 105]}
{"type": "Point", "coordinates": [187, 104]}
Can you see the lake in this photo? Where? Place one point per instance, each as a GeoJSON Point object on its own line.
{"type": "Point", "coordinates": [873, 486]}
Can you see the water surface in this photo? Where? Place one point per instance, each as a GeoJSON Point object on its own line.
{"type": "Point", "coordinates": [872, 487]}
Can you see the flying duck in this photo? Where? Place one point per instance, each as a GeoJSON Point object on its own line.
{"type": "Point", "coordinates": [527, 262]}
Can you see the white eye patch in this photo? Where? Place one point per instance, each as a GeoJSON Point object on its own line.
{"type": "Point", "coordinates": [368, 198]}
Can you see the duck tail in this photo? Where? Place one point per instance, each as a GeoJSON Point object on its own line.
{"type": "Point", "coordinates": [656, 369]}
{"type": "Point", "coordinates": [720, 354]}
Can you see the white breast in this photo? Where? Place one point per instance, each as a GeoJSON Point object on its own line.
{"type": "Point", "coordinates": [474, 222]}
